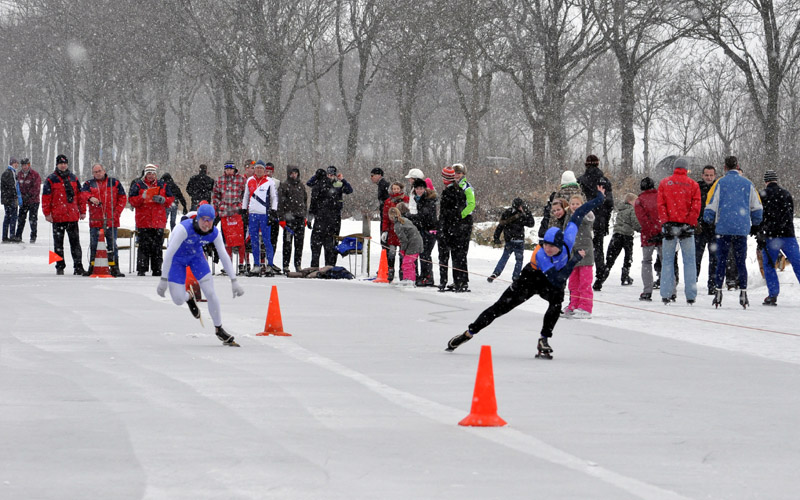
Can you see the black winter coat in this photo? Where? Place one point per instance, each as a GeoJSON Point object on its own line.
{"type": "Point", "coordinates": [199, 188]}
{"type": "Point", "coordinates": [778, 219]}
{"type": "Point", "coordinates": [705, 226]}
{"type": "Point", "coordinates": [589, 181]}
{"type": "Point", "coordinates": [513, 223]}
{"type": "Point", "coordinates": [176, 191]}
{"type": "Point", "coordinates": [451, 225]}
{"type": "Point", "coordinates": [9, 188]}
{"type": "Point", "coordinates": [292, 200]}
{"type": "Point", "coordinates": [425, 219]}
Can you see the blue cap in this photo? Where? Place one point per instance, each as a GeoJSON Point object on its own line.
{"type": "Point", "coordinates": [206, 211]}
{"type": "Point", "coordinates": [260, 163]}
{"type": "Point", "coordinates": [554, 236]}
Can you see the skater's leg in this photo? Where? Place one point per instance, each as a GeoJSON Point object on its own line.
{"type": "Point", "coordinates": [668, 246]}
{"type": "Point", "coordinates": [689, 268]}
{"type": "Point", "coordinates": [585, 298]}
{"type": "Point", "coordinates": [266, 230]}
{"type": "Point", "coordinates": [501, 264]}
{"type": "Point", "coordinates": [599, 259]}
{"type": "Point", "coordinates": [519, 256]}
{"type": "Point", "coordinates": [740, 249]}
{"type": "Point", "coordinates": [770, 254]}
{"type": "Point", "coordinates": [647, 269]}
{"type": "Point", "coordinates": [255, 243]}
{"type": "Point", "coordinates": [573, 285]}
{"type": "Point", "coordinates": [519, 291]}
{"type": "Point", "coordinates": [614, 248]}
{"type": "Point", "coordinates": [554, 298]}
{"type": "Point", "coordinates": [723, 245]}
{"type": "Point", "coordinates": [627, 247]}
{"type": "Point", "coordinates": [178, 293]}
{"type": "Point", "coordinates": [791, 250]}
{"type": "Point", "coordinates": [214, 309]}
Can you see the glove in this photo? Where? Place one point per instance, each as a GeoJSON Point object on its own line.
{"type": "Point", "coordinates": [238, 291]}
{"type": "Point", "coordinates": [698, 229]}
{"type": "Point", "coordinates": [754, 230]}
{"type": "Point", "coordinates": [185, 211]}
{"type": "Point", "coordinates": [310, 223]}
{"type": "Point", "coordinates": [384, 236]}
{"type": "Point", "coordinates": [496, 244]}
{"type": "Point", "coordinates": [159, 199]}
{"type": "Point", "coordinates": [242, 211]}
{"type": "Point", "coordinates": [162, 286]}
{"type": "Point", "coordinates": [282, 224]}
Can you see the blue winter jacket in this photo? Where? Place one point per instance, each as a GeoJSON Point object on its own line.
{"type": "Point", "coordinates": [733, 205]}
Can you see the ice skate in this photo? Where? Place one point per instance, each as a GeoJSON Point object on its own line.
{"type": "Point", "coordinates": [627, 281]}
{"type": "Point", "coordinates": [192, 303]}
{"type": "Point", "coordinates": [770, 301]}
{"type": "Point", "coordinates": [545, 351]}
{"type": "Point", "coordinates": [225, 337]}
{"type": "Point", "coordinates": [717, 298]}
{"type": "Point", "coordinates": [255, 271]}
{"type": "Point", "coordinates": [743, 299]}
{"type": "Point", "coordinates": [646, 297]}
{"type": "Point", "coordinates": [456, 341]}
{"type": "Point", "coordinates": [491, 278]}
{"type": "Point", "coordinates": [581, 314]}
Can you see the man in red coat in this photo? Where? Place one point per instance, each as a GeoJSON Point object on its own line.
{"type": "Point", "coordinates": [30, 186]}
{"type": "Point", "coordinates": [150, 197]}
{"type": "Point", "coordinates": [106, 199]}
{"type": "Point", "coordinates": [678, 209]}
{"type": "Point", "coordinates": [61, 205]}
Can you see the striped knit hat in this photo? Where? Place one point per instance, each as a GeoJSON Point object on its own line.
{"type": "Point", "coordinates": [770, 176]}
{"type": "Point", "coordinates": [448, 175]}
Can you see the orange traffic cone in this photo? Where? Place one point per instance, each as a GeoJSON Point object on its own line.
{"type": "Point", "coordinates": [274, 324]}
{"type": "Point", "coordinates": [484, 404]}
{"type": "Point", "coordinates": [54, 257]}
{"type": "Point", "coordinates": [383, 269]}
{"type": "Point", "coordinates": [100, 266]}
{"type": "Point", "coordinates": [191, 282]}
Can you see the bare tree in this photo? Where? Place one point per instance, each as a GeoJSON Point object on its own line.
{"type": "Point", "coordinates": [652, 88]}
{"type": "Point", "coordinates": [720, 95]}
{"type": "Point", "coordinates": [683, 126]}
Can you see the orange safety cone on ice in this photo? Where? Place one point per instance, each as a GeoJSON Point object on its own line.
{"type": "Point", "coordinates": [274, 324]}
{"type": "Point", "coordinates": [484, 404]}
{"type": "Point", "coordinates": [100, 266]}
{"type": "Point", "coordinates": [191, 282]}
{"type": "Point", "coordinates": [54, 257]}
{"type": "Point", "coordinates": [383, 269]}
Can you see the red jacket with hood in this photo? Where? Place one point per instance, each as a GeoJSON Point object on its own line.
{"type": "Point", "coordinates": [646, 208]}
{"type": "Point", "coordinates": [55, 200]}
{"type": "Point", "coordinates": [112, 201]}
{"type": "Point", "coordinates": [386, 223]}
{"type": "Point", "coordinates": [679, 199]}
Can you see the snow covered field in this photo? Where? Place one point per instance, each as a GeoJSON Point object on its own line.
{"type": "Point", "coordinates": [110, 391]}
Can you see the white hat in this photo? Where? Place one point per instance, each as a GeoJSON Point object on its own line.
{"type": "Point", "coordinates": [568, 177]}
{"type": "Point", "coordinates": [150, 168]}
{"type": "Point", "coordinates": [415, 173]}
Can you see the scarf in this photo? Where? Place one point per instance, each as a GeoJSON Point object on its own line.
{"type": "Point", "coordinates": [68, 189]}
{"type": "Point", "coordinates": [16, 184]}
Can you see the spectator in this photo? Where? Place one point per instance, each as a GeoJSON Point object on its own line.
{"type": "Point", "coordinates": [61, 206]}
{"type": "Point", "coordinates": [12, 200]}
{"type": "Point", "coordinates": [678, 208]}
{"type": "Point", "coordinates": [172, 210]}
{"type": "Point", "coordinates": [326, 211]}
{"type": "Point", "coordinates": [452, 231]}
{"type": "Point", "coordinates": [734, 206]}
{"type": "Point", "coordinates": [30, 186]}
{"type": "Point", "coordinates": [376, 176]}
{"type": "Point", "coordinates": [410, 244]}
{"type": "Point", "coordinates": [292, 210]}
{"type": "Point", "coordinates": [777, 232]}
{"type": "Point", "coordinates": [150, 197]}
{"type": "Point", "coordinates": [227, 201]}
{"type": "Point", "coordinates": [260, 197]}
{"type": "Point", "coordinates": [389, 238]}
{"type": "Point", "coordinates": [413, 175]}
{"type": "Point", "coordinates": [704, 233]}
{"type": "Point", "coordinates": [513, 222]}
{"type": "Point", "coordinates": [426, 222]}
{"type": "Point", "coordinates": [625, 225]}
{"type": "Point", "coordinates": [465, 233]}
{"type": "Point", "coordinates": [273, 214]}
{"type": "Point", "coordinates": [200, 187]}
{"type": "Point", "coordinates": [106, 200]}
{"type": "Point", "coordinates": [581, 295]}
{"type": "Point", "coordinates": [568, 188]}
{"type": "Point", "coordinates": [646, 209]}
{"type": "Point", "coordinates": [602, 214]}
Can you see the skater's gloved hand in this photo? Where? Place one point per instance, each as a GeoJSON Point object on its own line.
{"type": "Point", "coordinates": [310, 223]}
{"type": "Point", "coordinates": [384, 236]}
{"type": "Point", "coordinates": [238, 291]}
{"type": "Point", "coordinates": [162, 286]}
{"type": "Point", "coordinates": [159, 199]}
{"type": "Point", "coordinates": [185, 211]}
{"type": "Point", "coordinates": [242, 211]}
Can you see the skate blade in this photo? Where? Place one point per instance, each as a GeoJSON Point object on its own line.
{"type": "Point", "coordinates": [543, 355]}
{"type": "Point", "coordinates": [232, 343]}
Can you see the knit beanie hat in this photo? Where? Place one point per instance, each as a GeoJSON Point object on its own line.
{"type": "Point", "coordinates": [150, 168]}
{"type": "Point", "coordinates": [554, 236]}
{"type": "Point", "coordinates": [681, 163]}
{"type": "Point", "coordinates": [770, 176]}
{"type": "Point", "coordinates": [568, 177]}
{"type": "Point", "coordinates": [420, 183]}
{"type": "Point", "coordinates": [448, 175]}
{"type": "Point", "coordinates": [61, 159]}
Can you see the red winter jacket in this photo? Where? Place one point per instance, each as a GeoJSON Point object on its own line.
{"type": "Point", "coordinates": [150, 214]}
{"type": "Point", "coordinates": [679, 199]}
{"type": "Point", "coordinates": [112, 201]}
{"type": "Point", "coordinates": [387, 225]}
{"type": "Point", "coordinates": [30, 186]}
{"type": "Point", "coordinates": [646, 208]}
{"type": "Point", "coordinates": [55, 201]}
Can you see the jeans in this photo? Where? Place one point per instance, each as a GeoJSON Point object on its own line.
{"type": "Point", "coordinates": [111, 244]}
{"type": "Point", "coordinates": [773, 248]}
{"type": "Point", "coordinates": [726, 242]}
{"type": "Point", "coordinates": [668, 247]}
{"type": "Point", "coordinates": [10, 221]}
{"type": "Point", "coordinates": [32, 213]}
{"type": "Point", "coordinates": [172, 213]}
{"type": "Point", "coordinates": [517, 247]}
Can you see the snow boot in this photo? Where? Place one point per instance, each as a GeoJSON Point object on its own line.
{"type": "Point", "coordinates": [89, 271]}
{"type": "Point", "coordinates": [743, 299]}
{"type": "Point", "coordinates": [115, 272]}
{"type": "Point", "coordinates": [717, 298]}
{"type": "Point", "coordinates": [225, 337]}
{"type": "Point", "coordinates": [456, 341]}
{"type": "Point", "coordinates": [770, 301]}
{"type": "Point", "coordinates": [545, 351]}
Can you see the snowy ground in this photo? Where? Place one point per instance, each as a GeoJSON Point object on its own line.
{"type": "Point", "coordinates": [109, 391]}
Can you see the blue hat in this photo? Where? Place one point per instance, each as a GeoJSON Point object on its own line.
{"type": "Point", "coordinates": [260, 163]}
{"type": "Point", "coordinates": [554, 236]}
{"type": "Point", "coordinates": [206, 210]}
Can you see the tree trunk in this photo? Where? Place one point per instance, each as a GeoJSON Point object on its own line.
{"type": "Point", "coordinates": [626, 119]}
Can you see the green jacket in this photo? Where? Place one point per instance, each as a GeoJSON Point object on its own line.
{"type": "Point", "coordinates": [470, 193]}
{"type": "Point", "coordinates": [626, 223]}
